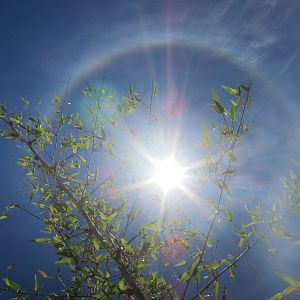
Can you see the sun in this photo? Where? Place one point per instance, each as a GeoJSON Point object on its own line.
{"type": "Point", "coordinates": [168, 174]}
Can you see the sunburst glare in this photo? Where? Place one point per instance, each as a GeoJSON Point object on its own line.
{"type": "Point", "coordinates": [168, 174]}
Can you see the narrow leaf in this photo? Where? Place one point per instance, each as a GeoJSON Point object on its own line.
{"type": "Point", "coordinates": [216, 98]}
{"type": "Point", "coordinates": [11, 284]}
{"type": "Point", "coordinates": [44, 275]}
{"type": "Point", "coordinates": [36, 283]}
{"type": "Point", "coordinates": [245, 87]}
{"type": "Point", "coordinates": [41, 240]}
{"type": "Point", "coordinates": [122, 284]}
{"type": "Point", "coordinates": [230, 90]}
{"type": "Point", "coordinates": [65, 260]}
{"type": "Point", "coordinates": [181, 263]}
{"type": "Point", "coordinates": [205, 139]}
{"type": "Point", "coordinates": [232, 115]}
{"type": "Point", "coordinates": [150, 227]}
{"type": "Point", "coordinates": [288, 279]}
{"type": "Point", "coordinates": [185, 276]}
{"type": "Point", "coordinates": [224, 294]}
{"type": "Point", "coordinates": [229, 216]}
{"type": "Point", "coordinates": [277, 296]}
{"type": "Point", "coordinates": [217, 108]}
{"type": "Point", "coordinates": [9, 267]}
{"type": "Point", "coordinates": [216, 289]}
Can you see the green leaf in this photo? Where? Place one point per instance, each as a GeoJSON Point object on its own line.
{"type": "Point", "coordinates": [216, 99]}
{"type": "Point", "coordinates": [15, 120]}
{"type": "Point", "coordinates": [197, 276]}
{"type": "Point", "coordinates": [36, 283]}
{"type": "Point", "coordinates": [185, 276]}
{"type": "Point", "coordinates": [96, 244]}
{"type": "Point", "coordinates": [231, 274]}
{"type": "Point", "coordinates": [280, 231]}
{"type": "Point", "coordinates": [291, 289]}
{"type": "Point", "coordinates": [224, 294]}
{"type": "Point", "coordinates": [2, 107]}
{"type": "Point", "coordinates": [154, 91]}
{"type": "Point", "coordinates": [244, 127]}
{"type": "Point", "coordinates": [232, 156]}
{"type": "Point", "coordinates": [245, 87]}
{"type": "Point", "coordinates": [26, 102]}
{"type": "Point", "coordinates": [41, 240]}
{"type": "Point", "coordinates": [64, 260]}
{"type": "Point", "coordinates": [226, 187]}
{"type": "Point", "coordinates": [122, 284]}
{"type": "Point", "coordinates": [228, 172]}
{"type": "Point", "coordinates": [226, 112]}
{"type": "Point", "coordinates": [216, 108]}
{"type": "Point", "coordinates": [288, 279]}
{"type": "Point", "coordinates": [294, 208]}
{"type": "Point", "coordinates": [215, 265]}
{"type": "Point", "coordinates": [85, 93]}
{"type": "Point", "coordinates": [82, 159]}
{"type": "Point", "coordinates": [297, 164]}
{"type": "Point", "coordinates": [111, 216]}
{"type": "Point", "coordinates": [248, 99]}
{"type": "Point", "coordinates": [151, 227]}
{"type": "Point", "coordinates": [229, 216]}
{"type": "Point", "coordinates": [126, 246]}
{"type": "Point", "coordinates": [3, 217]}
{"type": "Point", "coordinates": [277, 296]}
{"type": "Point", "coordinates": [241, 242]}
{"type": "Point", "coordinates": [78, 125]}
{"type": "Point", "coordinates": [100, 296]}
{"type": "Point", "coordinates": [181, 263]}
{"type": "Point", "coordinates": [230, 90]}
{"type": "Point", "coordinates": [9, 267]}
{"type": "Point", "coordinates": [11, 284]}
{"type": "Point", "coordinates": [293, 176]}
{"type": "Point", "coordinates": [131, 89]}
{"type": "Point", "coordinates": [11, 206]}
{"type": "Point", "coordinates": [232, 114]}
{"type": "Point", "coordinates": [216, 289]}
{"type": "Point", "coordinates": [128, 101]}
{"type": "Point", "coordinates": [209, 244]}
{"type": "Point", "coordinates": [56, 100]}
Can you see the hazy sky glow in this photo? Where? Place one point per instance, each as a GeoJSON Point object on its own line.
{"type": "Point", "coordinates": [187, 48]}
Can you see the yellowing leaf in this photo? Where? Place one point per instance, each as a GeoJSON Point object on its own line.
{"type": "Point", "coordinates": [205, 139]}
{"type": "Point", "coordinates": [44, 275]}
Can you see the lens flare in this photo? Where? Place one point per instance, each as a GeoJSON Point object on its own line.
{"type": "Point", "coordinates": [168, 174]}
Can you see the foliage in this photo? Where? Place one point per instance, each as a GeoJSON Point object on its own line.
{"type": "Point", "coordinates": [104, 250]}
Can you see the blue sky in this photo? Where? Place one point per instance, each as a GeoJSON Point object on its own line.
{"type": "Point", "coordinates": [189, 48]}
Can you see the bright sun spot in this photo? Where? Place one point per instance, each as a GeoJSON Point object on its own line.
{"type": "Point", "coordinates": [168, 174]}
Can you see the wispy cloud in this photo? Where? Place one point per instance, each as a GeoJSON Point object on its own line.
{"type": "Point", "coordinates": [286, 65]}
